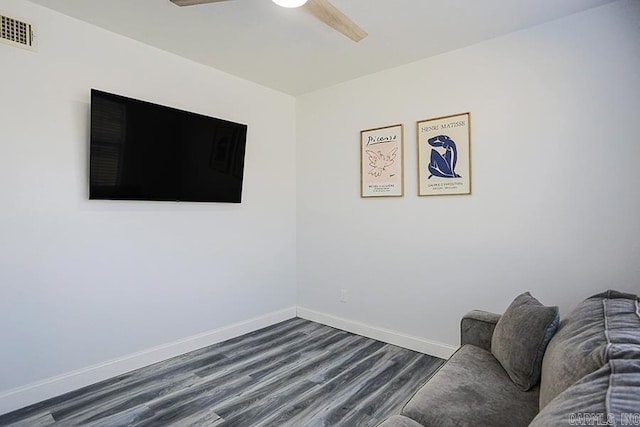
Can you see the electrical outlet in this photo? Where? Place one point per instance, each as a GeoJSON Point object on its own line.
{"type": "Point", "coordinates": [344, 295]}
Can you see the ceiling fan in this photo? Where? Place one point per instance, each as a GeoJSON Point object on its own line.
{"type": "Point", "coordinates": [321, 9]}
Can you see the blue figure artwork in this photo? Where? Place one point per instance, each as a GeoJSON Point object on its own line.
{"type": "Point", "coordinates": [443, 165]}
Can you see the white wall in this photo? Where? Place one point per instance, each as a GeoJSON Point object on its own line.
{"type": "Point", "coordinates": [83, 282]}
{"type": "Point", "coordinates": [555, 122]}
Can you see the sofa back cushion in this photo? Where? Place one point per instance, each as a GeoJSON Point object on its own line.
{"type": "Point", "coordinates": [603, 397]}
{"type": "Point", "coordinates": [601, 328]}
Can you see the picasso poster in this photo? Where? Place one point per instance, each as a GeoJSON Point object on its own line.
{"type": "Point", "coordinates": [444, 155]}
{"type": "Point", "coordinates": [381, 161]}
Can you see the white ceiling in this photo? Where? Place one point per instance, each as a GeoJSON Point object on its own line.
{"type": "Point", "coordinates": [291, 51]}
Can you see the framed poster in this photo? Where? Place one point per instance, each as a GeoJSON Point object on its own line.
{"type": "Point", "coordinates": [382, 162]}
{"type": "Point", "coordinates": [444, 155]}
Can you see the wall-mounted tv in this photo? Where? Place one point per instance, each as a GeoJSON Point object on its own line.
{"type": "Point", "coordinates": [145, 151]}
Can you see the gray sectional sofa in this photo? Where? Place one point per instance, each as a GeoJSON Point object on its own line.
{"type": "Point", "coordinates": [527, 368]}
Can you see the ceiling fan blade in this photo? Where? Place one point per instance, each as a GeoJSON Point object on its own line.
{"type": "Point", "coordinates": [194, 2]}
{"type": "Point", "coordinates": [331, 15]}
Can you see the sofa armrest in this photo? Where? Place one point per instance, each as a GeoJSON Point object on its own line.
{"type": "Point", "coordinates": [476, 327]}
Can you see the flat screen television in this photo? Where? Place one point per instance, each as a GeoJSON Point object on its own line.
{"type": "Point", "coordinates": [145, 151]}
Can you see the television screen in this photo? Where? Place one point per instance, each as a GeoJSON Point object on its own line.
{"type": "Point", "coordinates": [145, 151]}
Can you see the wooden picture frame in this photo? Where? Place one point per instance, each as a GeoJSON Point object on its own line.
{"type": "Point", "coordinates": [444, 155]}
{"type": "Point", "coordinates": [382, 162]}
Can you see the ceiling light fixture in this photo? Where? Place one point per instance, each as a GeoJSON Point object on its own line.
{"type": "Point", "coordinates": [290, 3]}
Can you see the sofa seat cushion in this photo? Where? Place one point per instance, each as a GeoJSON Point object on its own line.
{"type": "Point", "coordinates": [472, 389]}
{"type": "Point", "coordinates": [599, 329]}
{"type": "Point", "coordinates": [608, 396]}
{"type": "Point", "coordinates": [399, 421]}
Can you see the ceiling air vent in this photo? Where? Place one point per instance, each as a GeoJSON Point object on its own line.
{"type": "Point", "coordinates": [16, 32]}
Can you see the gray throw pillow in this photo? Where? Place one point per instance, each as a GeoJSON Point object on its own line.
{"type": "Point", "coordinates": [521, 337]}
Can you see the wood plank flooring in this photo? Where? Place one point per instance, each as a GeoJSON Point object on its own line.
{"type": "Point", "coordinates": [296, 373]}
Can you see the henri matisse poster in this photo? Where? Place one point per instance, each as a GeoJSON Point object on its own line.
{"type": "Point", "coordinates": [381, 162]}
{"type": "Point", "coordinates": [444, 155]}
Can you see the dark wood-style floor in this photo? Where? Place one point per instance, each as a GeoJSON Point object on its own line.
{"type": "Point", "coordinates": [296, 373]}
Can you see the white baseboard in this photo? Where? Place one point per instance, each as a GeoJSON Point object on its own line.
{"type": "Point", "coordinates": [55, 386]}
{"type": "Point", "coordinates": [422, 345]}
